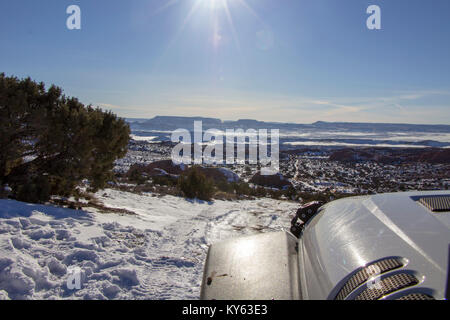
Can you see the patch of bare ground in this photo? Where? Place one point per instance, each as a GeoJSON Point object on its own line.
{"type": "Point", "coordinates": [92, 203]}
{"type": "Point", "coordinates": [104, 209]}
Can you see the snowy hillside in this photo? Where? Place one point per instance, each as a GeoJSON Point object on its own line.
{"type": "Point", "coordinates": [157, 253]}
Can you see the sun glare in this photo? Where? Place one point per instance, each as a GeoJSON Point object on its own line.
{"type": "Point", "coordinates": [214, 8]}
{"type": "Point", "coordinates": [214, 4]}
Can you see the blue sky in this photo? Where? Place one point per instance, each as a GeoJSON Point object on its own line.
{"type": "Point", "coordinates": [275, 60]}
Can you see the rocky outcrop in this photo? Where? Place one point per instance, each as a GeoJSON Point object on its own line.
{"type": "Point", "coordinates": [272, 181]}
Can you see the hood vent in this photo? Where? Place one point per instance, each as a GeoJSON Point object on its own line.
{"type": "Point", "coordinates": [416, 296]}
{"type": "Point", "coordinates": [388, 285]}
{"type": "Point", "coordinates": [436, 203]}
{"type": "Point", "coordinates": [364, 274]}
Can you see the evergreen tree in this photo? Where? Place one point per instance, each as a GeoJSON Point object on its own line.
{"type": "Point", "coordinates": [195, 184]}
{"type": "Point", "coordinates": [50, 143]}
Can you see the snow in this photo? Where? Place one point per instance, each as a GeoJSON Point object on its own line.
{"type": "Point", "coordinates": [349, 144]}
{"type": "Point", "coordinates": [158, 253]}
{"type": "Point", "coordinates": [144, 138]}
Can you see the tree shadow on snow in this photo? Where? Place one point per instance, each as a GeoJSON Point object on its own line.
{"type": "Point", "coordinates": [12, 209]}
{"type": "Point", "coordinates": [195, 200]}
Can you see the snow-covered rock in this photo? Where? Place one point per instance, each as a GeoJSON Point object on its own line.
{"type": "Point", "coordinates": [231, 176]}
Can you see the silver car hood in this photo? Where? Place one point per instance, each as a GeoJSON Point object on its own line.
{"type": "Point", "coordinates": [350, 233]}
{"type": "Point", "coordinates": [260, 267]}
{"type": "Point", "coordinates": [337, 246]}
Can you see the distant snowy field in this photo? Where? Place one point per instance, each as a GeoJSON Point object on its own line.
{"type": "Point", "coordinates": [337, 138]}
{"type": "Point", "coordinates": [156, 254]}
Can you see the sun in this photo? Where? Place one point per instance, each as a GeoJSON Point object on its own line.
{"type": "Point", "coordinates": [215, 4]}
{"type": "Point", "coordinates": [215, 8]}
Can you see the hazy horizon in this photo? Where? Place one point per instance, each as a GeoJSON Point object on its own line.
{"type": "Point", "coordinates": [285, 122]}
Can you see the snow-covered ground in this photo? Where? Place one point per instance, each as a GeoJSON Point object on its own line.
{"type": "Point", "coordinates": [158, 253]}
